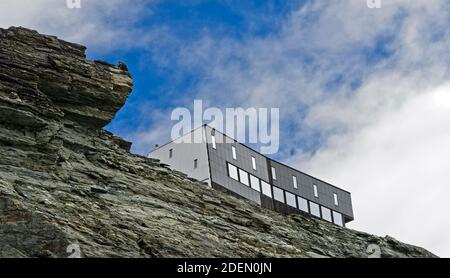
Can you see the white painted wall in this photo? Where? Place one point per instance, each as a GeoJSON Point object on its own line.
{"type": "Point", "coordinates": [184, 155]}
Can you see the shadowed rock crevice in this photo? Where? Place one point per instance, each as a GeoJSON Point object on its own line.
{"type": "Point", "coordinates": [69, 188]}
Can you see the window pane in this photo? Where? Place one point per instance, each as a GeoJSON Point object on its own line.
{"type": "Point", "coordinates": [326, 214]}
{"type": "Point", "coordinates": [213, 141]}
{"type": "Point", "coordinates": [290, 199]}
{"type": "Point", "coordinates": [314, 209]}
{"type": "Point", "coordinates": [337, 218]}
{"type": "Point", "coordinates": [233, 150]}
{"type": "Point", "coordinates": [316, 192]}
{"type": "Point", "coordinates": [254, 182]}
{"type": "Point", "coordinates": [233, 172]}
{"type": "Point", "coordinates": [336, 202]}
{"type": "Point", "coordinates": [294, 181]}
{"type": "Point", "coordinates": [253, 163]}
{"type": "Point", "coordinates": [244, 177]}
{"type": "Point", "coordinates": [278, 194]}
{"type": "Point", "coordinates": [274, 173]}
{"type": "Point", "coordinates": [302, 204]}
{"type": "Point", "coordinates": [265, 187]}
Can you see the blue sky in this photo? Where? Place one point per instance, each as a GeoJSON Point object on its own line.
{"type": "Point", "coordinates": [160, 85]}
{"type": "Point", "coordinates": [155, 84]}
{"type": "Point", "coordinates": [364, 94]}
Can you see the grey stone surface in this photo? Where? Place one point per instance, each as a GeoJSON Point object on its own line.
{"type": "Point", "coordinates": [70, 189]}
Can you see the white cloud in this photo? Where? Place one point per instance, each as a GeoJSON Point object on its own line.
{"type": "Point", "coordinates": [101, 24]}
{"type": "Point", "coordinates": [143, 137]}
{"type": "Point", "coordinates": [396, 168]}
{"type": "Point", "coordinates": [386, 139]}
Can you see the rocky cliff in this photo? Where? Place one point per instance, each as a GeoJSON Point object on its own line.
{"type": "Point", "coordinates": [69, 188]}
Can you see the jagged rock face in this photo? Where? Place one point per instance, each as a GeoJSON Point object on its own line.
{"type": "Point", "coordinates": [68, 188]}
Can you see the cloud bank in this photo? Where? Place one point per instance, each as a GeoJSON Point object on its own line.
{"type": "Point", "coordinates": [104, 25]}
{"type": "Point", "coordinates": [364, 94]}
{"type": "Point", "coordinates": [364, 97]}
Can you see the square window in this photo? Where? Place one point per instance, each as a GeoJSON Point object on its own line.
{"type": "Point", "coordinates": [315, 210]}
{"type": "Point", "coordinates": [337, 218]}
{"type": "Point", "coordinates": [243, 176]}
{"type": "Point", "coordinates": [302, 204]}
{"type": "Point", "coordinates": [278, 194]}
{"type": "Point", "coordinates": [254, 182]}
{"type": "Point", "coordinates": [266, 190]}
{"type": "Point", "coordinates": [290, 200]}
{"type": "Point", "coordinates": [233, 172]}
{"type": "Point", "coordinates": [326, 214]}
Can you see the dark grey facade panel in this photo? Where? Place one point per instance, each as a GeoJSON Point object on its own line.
{"type": "Point", "coordinates": [229, 191]}
{"type": "Point", "coordinates": [219, 156]}
{"type": "Point", "coordinates": [284, 208]}
{"type": "Point", "coordinates": [244, 156]}
{"type": "Point", "coordinates": [267, 202]}
{"type": "Point", "coordinates": [305, 188]}
{"type": "Point", "coordinates": [219, 175]}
